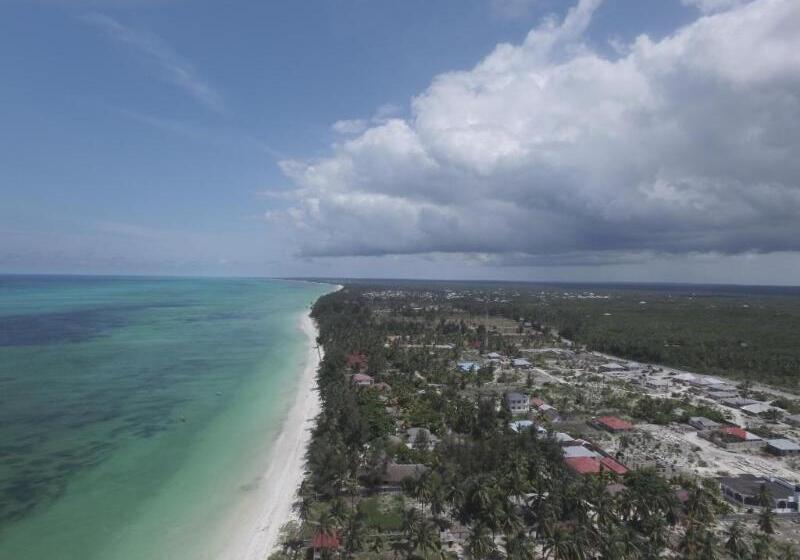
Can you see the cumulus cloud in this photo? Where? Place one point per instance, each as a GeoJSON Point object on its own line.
{"type": "Point", "coordinates": [551, 150]}
{"type": "Point", "coordinates": [708, 6]}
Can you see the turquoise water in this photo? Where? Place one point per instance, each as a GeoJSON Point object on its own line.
{"type": "Point", "coordinates": [136, 414]}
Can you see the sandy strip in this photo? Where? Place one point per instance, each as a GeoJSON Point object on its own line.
{"type": "Point", "coordinates": [282, 480]}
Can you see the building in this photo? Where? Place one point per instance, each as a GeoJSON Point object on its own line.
{"type": "Point", "coordinates": [467, 367]}
{"type": "Point", "coordinates": [756, 408]}
{"type": "Point", "coordinates": [736, 439]}
{"type": "Point", "coordinates": [745, 490]}
{"type": "Point", "coordinates": [793, 420]}
{"type": "Point", "coordinates": [783, 447]}
{"type": "Point", "coordinates": [324, 545]}
{"type": "Point", "coordinates": [517, 403]}
{"type": "Point", "coordinates": [722, 394]}
{"type": "Point", "coordinates": [536, 402]}
{"type": "Point", "coordinates": [521, 363]}
{"type": "Point", "coordinates": [738, 402]}
{"type": "Point", "coordinates": [575, 451]}
{"type": "Point", "coordinates": [550, 413]}
{"type": "Point", "coordinates": [612, 367]}
{"type": "Point", "coordinates": [584, 465]}
{"type": "Point", "coordinates": [394, 474]}
{"type": "Point", "coordinates": [612, 424]}
{"type": "Point", "coordinates": [356, 361]}
{"type": "Point", "coordinates": [702, 423]}
{"type": "Point", "coordinates": [612, 465]}
{"type": "Point", "coordinates": [362, 380]}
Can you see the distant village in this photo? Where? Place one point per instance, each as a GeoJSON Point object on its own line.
{"type": "Point", "coordinates": [608, 416]}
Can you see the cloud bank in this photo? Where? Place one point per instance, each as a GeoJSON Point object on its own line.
{"type": "Point", "coordinates": [552, 152]}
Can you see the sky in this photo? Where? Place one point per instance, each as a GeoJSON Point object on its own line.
{"type": "Point", "coordinates": [575, 140]}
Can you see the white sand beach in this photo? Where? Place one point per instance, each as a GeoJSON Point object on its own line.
{"type": "Point", "coordinates": [259, 530]}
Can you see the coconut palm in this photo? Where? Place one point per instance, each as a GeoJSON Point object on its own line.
{"type": "Point", "coordinates": [479, 543]}
{"type": "Point", "coordinates": [736, 543]}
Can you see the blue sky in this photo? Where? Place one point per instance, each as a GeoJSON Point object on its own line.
{"type": "Point", "coordinates": [177, 137]}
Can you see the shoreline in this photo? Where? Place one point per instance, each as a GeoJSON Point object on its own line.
{"type": "Point", "coordinates": [286, 469]}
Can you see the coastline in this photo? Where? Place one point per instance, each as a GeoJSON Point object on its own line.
{"type": "Point", "coordinates": [287, 464]}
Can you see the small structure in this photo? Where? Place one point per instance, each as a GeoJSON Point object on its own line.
{"type": "Point", "coordinates": [612, 424]}
{"type": "Point", "coordinates": [611, 367]}
{"type": "Point", "coordinates": [521, 363]}
{"type": "Point", "coordinates": [722, 394]}
{"type": "Point", "coordinates": [736, 439]}
{"type": "Point", "coordinates": [517, 402]}
{"type": "Point", "coordinates": [756, 408]}
{"type": "Point", "coordinates": [383, 387]}
{"type": "Point", "coordinates": [324, 544]}
{"type": "Point", "coordinates": [536, 402]}
{"type": "Point", "coordinates": [702, 423]}
{"type": "Point", "coordinates": [362, 380]}
{"type": "Point", "coordinates": [467, 367]}
{"type": "Point", "coordinates": [573, 451]}
{"type": "Point", "coordinates": [745, 490]}
{"type": "Point", "coordinates": [738, 402]}
{"type": "Point", "coordinates": [612, 465]}
{"type": "Point", "coordinates": [563, 439]}
{"type": "Point", "coordinates": [583, 465]}
{"type": "Point", "coordinates": [549, 412]}
{"type": "Point", "coordinates": [783, 447]}
{"type": "Point", "coordinates": [494, 356]}
{"type": "Point", "coordinates": [394, 474]}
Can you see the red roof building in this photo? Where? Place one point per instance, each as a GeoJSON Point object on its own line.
{"type": "Point", "coordinates": [733, 431]}
{"type": "Point", "coordinates": [607, 463]}
{"type": "Point", "coordinates": [613, 424]}
{"type": "Point", "coordinates": [357, 360]}
{"type": "Point", "coordinates": [583, 465]}
{"type": "Point", "coordinates": [324, 541]}
{"type": "Point", "coordinates": [536, 402]}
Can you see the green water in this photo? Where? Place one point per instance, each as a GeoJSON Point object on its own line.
{"type": "Point", "coordinates": [137, 414]}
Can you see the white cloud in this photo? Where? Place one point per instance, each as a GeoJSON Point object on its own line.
{"type": "Point", "coordinates": [548, 148]}
{"type": "Point", "coordinates": [709, 6]}
{"type": "Point", "coordinates": [350, 126]}
{"type": "Point", "coordinates": [172, 67]}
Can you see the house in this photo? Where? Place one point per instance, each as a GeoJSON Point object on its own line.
{"type": "Point", "coordinates": [783, 447]}
{"type": "Point", "coordinates": [494, 356]}
{"type": "Point", "coordinates": [794, 419]}
{"type": "Point", "coordinates": [468, 367]}
{"type": "Point", "coordinates": [421, 438]}
{"type": "Point", "coordinates": [362, 380]}
{"type": "Point", "coordinates": [563, 439]}
{"type": "Point", "coordinates": [517, 402]}
{"type": "Point", "coordinates": [722, 394]}
{"type": "Point", "coordinates": [702, 423]}
{"type": "Point", "coordinates": [738, 402]}
{"type": "Point", "coordinates": [521, 363]}
{"type": "Point", "coordinates": [536, 402]}
{"type": "Point", "coordinates": [745, 490]}
{"type": "Point", "coordinates": [736, 439]}
{"type": "Point", "coordinates": [686, 377]}
{"type": "Point", "coordinates": [583, 465]}
{"type": "Point", "coordinates": [611, 367]}
{"type": "Point", "coordinates": [325, 544]}
{"type": "Point", "coordinates": [705, 381]}
{"type": "Point", "coordinates": [612, 424]}
{"type": "Point", "coordinates": [394, 474]}
{"type": "Point", "coordinates": [756, 408]}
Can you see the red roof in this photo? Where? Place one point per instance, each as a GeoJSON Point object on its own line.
{"type": "Point", "coordinates": [583, 465]}
{"type": "Point", "coordinates": [537, 402]}
{"type": "Point", "coordinates": [736, 432]}
{"type": "Point", "coordinates": [614, 423]}
{"type": "Point", "coordinates": [361, 378]}
{"type": "Point", "coordinates": [356, 359]}
{"type": "Point", "coordinates": [325, 540]}
{"type": "Point", "coordinates": [612, 465]}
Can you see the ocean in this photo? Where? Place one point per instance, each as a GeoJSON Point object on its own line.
{"type": "Point", "coordinates": [137, 414]}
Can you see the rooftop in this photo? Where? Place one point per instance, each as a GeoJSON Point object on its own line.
{"type": "Point", "coordinates": [783, 444]}
{"type": "Point", "coordinates": [583, 465]}
{"type": "Point", "coordinates": [750, 485]}
{"type": "Point", "coordinates": [614, 423]}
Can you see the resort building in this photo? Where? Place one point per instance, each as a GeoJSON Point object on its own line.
{"type": "Point", "coordinates": [735, 439]}
{"type": "Point", "coordinates": [745, 490]}
{"type": "Point", "coordinates": [421, 438]}
{"type": "Point", "coordinates": [517, 403]}
{"type": "Point", "coordinates": [325, 545]}
{"type": "Point", "coordinates": [521, 363]}
{"type": "Point", "coordinates": [702, 423]}
{"type": "Point", "coordinates": [783, 447]}
{"type": "Point", "coordinates": [612, 424]}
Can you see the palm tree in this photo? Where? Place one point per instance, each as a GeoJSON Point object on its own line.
{"type": "Point", "coordinates": [479, 544]}
{"type": "Point", "coordinates": [762, 547]}
{"type": "Point", "coordinates": [787, 551]}
{"type": "Point", "coordinates": [765, 518]}
{"type": "Point", "coordinates": [736, 544]}
{"type": "Point", "coordinates": [559, 545]}
{"type": "Point", "coordinates": [377, 544]}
